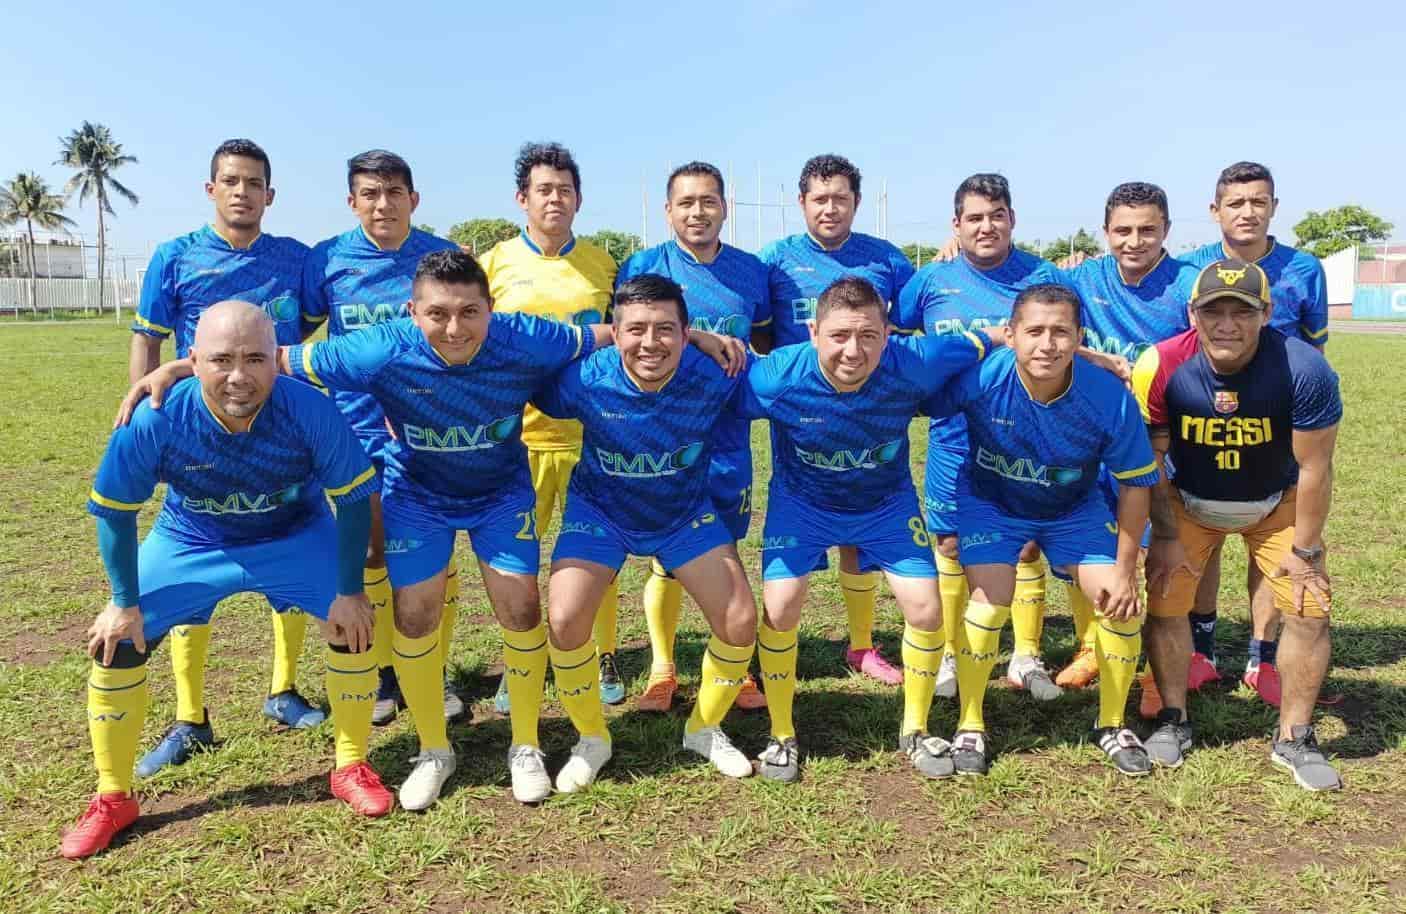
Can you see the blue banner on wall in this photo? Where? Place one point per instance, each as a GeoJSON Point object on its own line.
{"type": "Point", "coordinates": [1377, 302]}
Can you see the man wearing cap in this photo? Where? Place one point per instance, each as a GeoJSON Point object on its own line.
{"type": "Point", "coordinates": [1246, 420]}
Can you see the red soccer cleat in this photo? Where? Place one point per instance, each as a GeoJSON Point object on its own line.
{"type": "Point", "coordinates": [1201, 672]}
{"type": "Point", "coordinates": [107, 814]}
{"type": "Point", "coordinates": [1264, 680]}
{"type": "Point", "coordinates": [360, 787]}
{"type": "Point", "coordinates": [871, 663]}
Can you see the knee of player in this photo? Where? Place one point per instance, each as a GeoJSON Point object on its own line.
{"type": "Point", "coordinates": [739, 626]}
{"type": "Point", "coordinates": [1311, 624]}
{"type": "Point", "coordinates": [416, 617]}
{"type": "Point", "coordinates": [783, 617]}
{"type": "Point", "coordinates": [923, 612]}
{"type": "Point", "coordinates": [521, 613]}
{"type": "Point", "coordinates": [125, 657]}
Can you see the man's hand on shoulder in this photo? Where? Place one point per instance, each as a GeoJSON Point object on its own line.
{"type": "Point", "coordinates": [154, 385]}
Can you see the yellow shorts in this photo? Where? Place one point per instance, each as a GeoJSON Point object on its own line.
{"type": "Point", "coordinates": [1266, 541]}
{"type": "Point", "coordinates": [551, 471]}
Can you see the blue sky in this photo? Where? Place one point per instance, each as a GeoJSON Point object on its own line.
{"type": "Point", "coordinates": [1065, 99]}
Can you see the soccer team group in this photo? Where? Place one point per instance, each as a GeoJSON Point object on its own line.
{"type": "Point", "coordinates": [1129, 409]}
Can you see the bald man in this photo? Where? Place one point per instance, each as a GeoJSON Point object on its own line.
{"type": "Point", "coordinates": [249, 459]}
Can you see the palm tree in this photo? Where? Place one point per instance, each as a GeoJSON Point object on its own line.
{"type": "Point", "coordinates": [27, 198]}
{"type": "Point", "coordinates": [94, 155]}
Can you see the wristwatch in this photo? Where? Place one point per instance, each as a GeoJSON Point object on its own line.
{"type": "Point", "coordinates": [1309, 555]}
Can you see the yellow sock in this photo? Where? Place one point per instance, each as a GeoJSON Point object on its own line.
{"type": "Point", "coordinates": [419, 668]}
{"type": "Point", "coordinates": [724, 669]}
{"type": "Point", "coordinates": [351, 691]}
{"type": "Point", "coordinates": [983, 624]}
{"type": "Point", "coordinates": [777, 651]}
{"type": "Point", "coordinates": [1118, 645]}
{"type": "Point", "coordinates": [190, 645]}
{"type": "Point", "coordinates": [607, 617]}
{"type": "Point", "coordinates": [860, 592]}
{"type": "Point", "coordinates": [922, 655]}
{"type": "Point", "coordinates": [1084, 630]}
{"type": "Point", "coordinates": [116, 711]}
{"type": "Point", "coordinates": [952, 585]}
{"type": "Point", "coordinates": [663, 602]}
{"type": "Point", "coordinates": [290, 627]}
{"type": "Point", "coordinates": [451, 613]}
{"type": "Point", "coordinates": [525, 666]}
{"type": "Point", "coordinates": [1028, 607]}
{"type": "Point", "coordinates": [377, 582]}
{"type": "Point", "coordinates": [577, 673]}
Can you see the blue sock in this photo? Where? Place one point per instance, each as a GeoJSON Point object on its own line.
{"type": "Point", "coordinates": [1203, 634]}
{"type": "Point", "coordinates": [1262, 652]}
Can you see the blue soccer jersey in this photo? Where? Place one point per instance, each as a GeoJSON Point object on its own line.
{"type": "Point", "coordinates": [848, 451]}
{"type": "Point", "coordinates": [1123, 318]}
{"type": "Point", "coordinates": [1297, 287]}
{"type": "Point", "coordinates": [190, 273]}
{"type": "Point", "coordinates": [352, 283]}
{"type": "Point", "coordinates": [801, 269]}
{"type": "Point", "coordinates": [457, 428]}
{"type": "Point", "coordinates": [226, 488]}
{"type": "Point", "coordinates": [644, 454]}
{"type": "Point", "coordinates": [1041, 460]}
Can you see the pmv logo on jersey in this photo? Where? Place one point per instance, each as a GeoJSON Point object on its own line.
{"type": "Point", "coordinates": [868, 458]}
{"type": "Point", "coordinates": [585, 318]}
{"type": "Point", "coordinates": [357, 316]}
{"type": "Point", "coordinates": [242, 502]}
{"type": "Point", "coordinates": [282, 309]}
{"type": "Point", "coordinates": [948, 325]}
{"type": "Point", "coordinates": [1111, 344]}
{"type": "Point", "coordinates": [802, 310]}
{"type": "Point", "coordinates": [1023, 469]}
{"type": "Point", "coordinates": [455, 438]}
{"type": "Point", "coordinates": [734, 325]}
{"type": "Point", "coordinates": [583, 528]}
{"type": "Point", "coordinates": [645, 465]}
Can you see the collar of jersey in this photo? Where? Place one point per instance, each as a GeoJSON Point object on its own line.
{"type": "Point", "coordinates": [445, 363]}
{"type": "Point", "coordinates": [1073, 367]}
{"type": "Point", "coordinates": [688, 255]}
{"type": "Point", "coordinates": [372, 241]}
{"type": "Point", "coordinates": [1133, 285]}
{"type": "Point", "coordinates": [815, 242]}
{"type": "Point", "coordinates": [995, 272]}
{"type": "Point", "coordinates": [1263, 257]}
{"type": "Point", "coordinates": [636, 384]}
{"type": "Point", "coordinates": [831, 381]}
{"type": "Point", "coordinates": [221, 423]}
{"type": "Point", "coordinates": [534, 248]}
{"type": "Point", "coordinates": [230, 244]}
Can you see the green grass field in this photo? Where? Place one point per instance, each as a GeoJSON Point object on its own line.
{"type": "Point", "coordinates": [252, 827]}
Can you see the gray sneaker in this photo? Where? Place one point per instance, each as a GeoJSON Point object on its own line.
{"type": "Point", "coordinates": [1123, 749]}
{"type": "Point", "coordinates": [929, 754]}
{"type": "Point", "coordinates": [1169, 742]}
{"type": "Point", "coordinates": [1301, 755]}
{"type": "Point", "coordinates": [1029, 673]}
{"type": "Point", "coordinates": [781, 760]}
{"type": "Point", "coordinates": [969, 753]}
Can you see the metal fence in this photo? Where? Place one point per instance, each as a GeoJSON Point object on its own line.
{"type": "Point", "coordinates": [68, 295]}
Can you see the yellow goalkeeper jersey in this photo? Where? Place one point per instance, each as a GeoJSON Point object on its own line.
{"type": "Point", "coordinates": [573, 287]}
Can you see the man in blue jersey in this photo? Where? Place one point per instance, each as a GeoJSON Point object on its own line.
{"type": "Point", "coordinates": [1244, 205]}
{"type": "Point", "coordinates": [648, 409]}
{"type": "Point", "coordinates": [840, 407]}
{"type": "Point", "coordinates": [727, 294]}
{"type": "Point", "coordinates": [356, 280]}
{"type": "Point", "coordinates": [802, 266]}
{"type": "Point", "coordinates": [1041, 424]}
{"type": "Point", "coordinates": [231, 258]}
{"type": "Point", "coordinates": [975, 289]}
{"type": "Point", "coordinates": [249, 460]}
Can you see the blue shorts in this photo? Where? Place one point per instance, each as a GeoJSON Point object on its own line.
{"type": "Point", "coordinates": [1109, 484]}
{"type": "Point", "coordinates": [1088, 535]}
{"type": "Point", "coordinates": [730, 486]}
{"type": "Point", "coordinates": [181, 583]}
{"type": "Point", "coordinates": [891, 537]}
{"type": "Point", "coordinates": [420, 535]}
{"type": "Point", "coordinates": [943, 479]}
{"type": "Point", "coordinates": [587, 534]}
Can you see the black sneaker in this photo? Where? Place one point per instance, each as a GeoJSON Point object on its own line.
{"type": "Point", "coordinates": [1169, 742]}
{"type": "Point", "coordinates": [930, 755]}
{"type": "Point", "coordinates": [969, 753]}
{"type": "Point", "coordinates": [612, 690]}
{"type": "Point", "coordinates": [781, 760]}
{"type": "Point", "coordinates": [1123, 749]}
{"type": "Point", "coordinates": [1301, 755]}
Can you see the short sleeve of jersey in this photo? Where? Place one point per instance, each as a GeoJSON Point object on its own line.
{"type": "Point", "coordinates": [763, 381]}
{"type": "Point", "coordinates": [946, 356]}
{"type": "Point", "coordinates": [1313, 319]}
{"type": "Point", "coordinates": [129, 470]}
{"type": "Point", "coordinates": [1150, 388]}
{"type": "Point", "coordinates": [1317, 400]}
{"type": "Point", "coordinates": [561, 394]}
{"type": "Point", "coordinates": [953, 396]}
{"type": "Point", "coordinates": [158, 307]}
{"type": "Point", "coordinates": [632, 267]}
{"type": "Point", "coordinates": [555, 343]}
{"type": "Point", "coordinates": [1128, 455]}
{"type": "Point", "coordinates": [348, 362]}
{"type": "Point", "coordinates": [906, 312]}
{"type": "Point", "coordinates": [903, 273]}
{"type": "Point", "coordinates": [314, 294]}
{"type": "Point", "coordinates": [339, 460]}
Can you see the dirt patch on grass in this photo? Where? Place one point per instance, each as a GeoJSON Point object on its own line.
{"type": "Point", "coordinates": [41, 648]}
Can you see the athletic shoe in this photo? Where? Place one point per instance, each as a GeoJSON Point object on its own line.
{"type": "Point", "coordinates": [1124, 749]}
{"type": "Point", "coordinates": [588, 757]}
{"type": "Point", "coordinates": [1168, 744]}
{"type": "Point", "coordinates": [1151, 704]}
{"type": "Point", "coordinates": [527, 767]}
{"type": "Point", "coordinates": [106, 815]}
{"type": "Point", "coordinates": [1082, 671]}
{"type": "Point", "coordinates": [1301, 755]}
{"type": "Point", "coordinates": [712, 743]}
{"type": "Point", "coordinates": [930, 755]}
{"type": "Point", "coordinates": [432, 768]}
{"type": "Point", "coordinates": [359, 786]}
{"type": "Point", "coordinates": [1264, 680]}
{"type": "Point", "coordinates": [659, 694]}
{"type": "Point", "coordinates": [501, 702]}
{"type": "Point", "coordinates": [612, 690]}
{"type": "Point", "coordinates": [749, 697]}
{"type": "Point", "coordinates": [947, 677]}
{"type": "Point", "coordinates": [181, 741]}
{"type": "Point", "coordinates": [389, 701]}
{"type": "Point", "coordinates": [969, 753]}
{"type": "Point", "coordinates": [1201, 672]}
{"type": "Point", "coordinates": [454, 707]}
{"type": "Point", "coordinates": [1029, 673]}
{"type": "Point", "coordinates": [292, 710]}
{"type": "Point", "coordinates": [869, 662]}
{"type": "Point", "coordinates": [781, 760]}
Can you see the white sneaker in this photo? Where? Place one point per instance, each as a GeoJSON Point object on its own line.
{"type": "Point", "coordinates": [453, 703]}
{"type": "Point", "coordinates": [1029, 673]}
{"type": "Point", "coordinates": [383, 711]}
{"type": "Point", "coordinates": [432, 768]}
{"type": "Point", "coordinates": [528, 768]}
{"type": "Point", "coordinates": [947, 677]}
{"type": "Point", "coordinates": [588, 757]}
{"type": "Point", "coordinates": [712, 743]}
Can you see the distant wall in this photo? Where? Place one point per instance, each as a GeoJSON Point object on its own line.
{"type": "Point", "coordinates": [1376, 302]}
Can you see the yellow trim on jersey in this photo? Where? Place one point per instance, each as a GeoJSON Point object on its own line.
{"type": "Point", "coordinates": [378, 247]}
{"type": "Point", "coordinates": [1062, 394]}
{"type": "Point", "coordinates": [214, 415]}
{"type": "Point", "coordinates": [1144, 373]}
{"type": "Point", "coordinates": [694, 257]}
{"type": "Point", "coordinates": [314, 318]}
{"type": "Point", "coordinates": [307, 365]}
{"type": "Point", "coordinates": [231, 243]}
{"type": "Point", "coordinates": [1231, 256]}
{"type": "Point", "coordinates": [978, 343]}
{"type": "Point", "coordinates": [1140, 471]}
{"type": "Point", "coordinates": [629, 376]}
{"type": "Point", "coordinates": [112, 503]}
{"type": "Point", "coordinates": [342, 490]}
{"type": "Point", "coordinates": [829, 250]}
{"type": "Point", "coordinates": [1133, 285]}
{"type": "Point", "coordinates": [166, 331]}
{"type": "Point", "coordinates": [1315, 334]}
{"type": "Point", "coordinates": [581, 339]}
{"type": "Point", "coordinates": [765, 323]}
